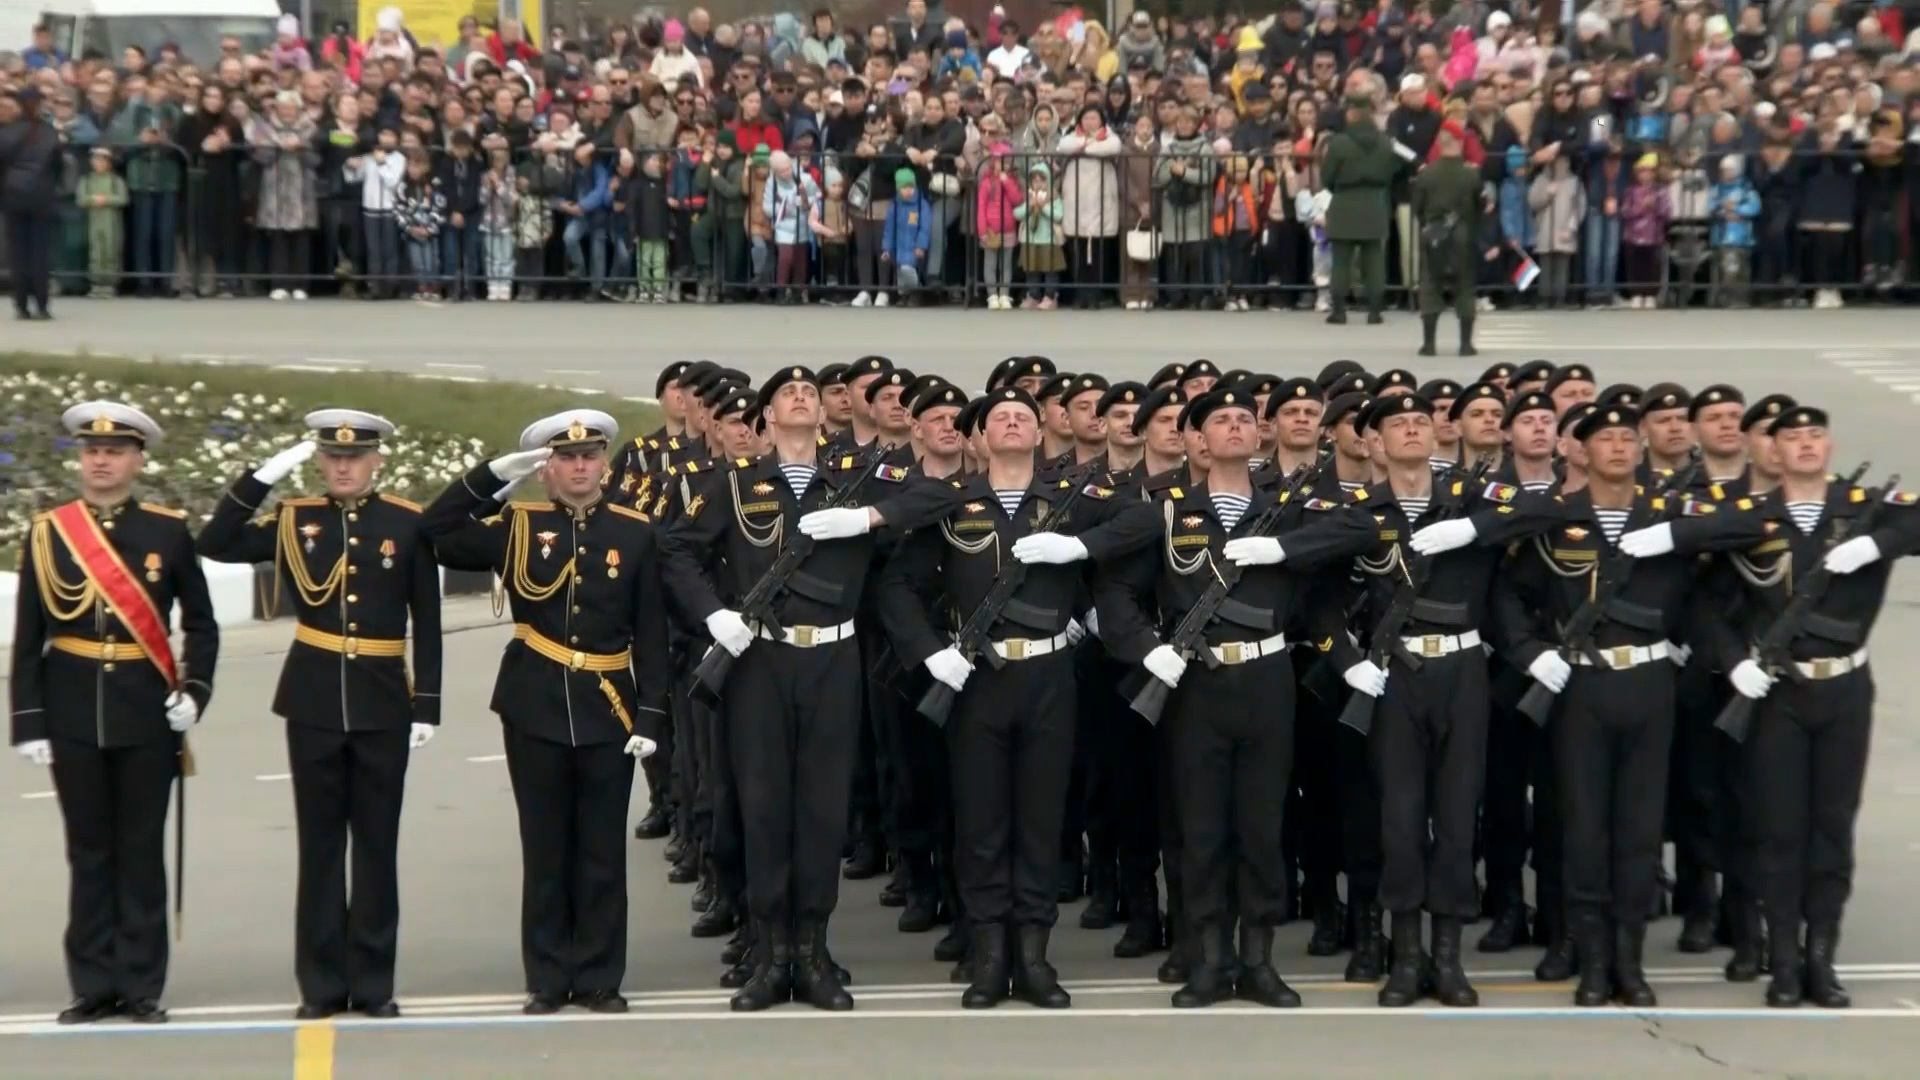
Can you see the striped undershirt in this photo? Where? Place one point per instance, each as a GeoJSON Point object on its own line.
{"type": "Point", "coordinates": [1612, 522]}
{"type": "Point", "coordinates": [1806, 515]}
{"type": "Point", "coordinates": [1010, 499]}
{"type": "Point", "coordinates": [1413, 505]}
{"type": "Point", "coordinates": [798, 477]}
{"type": "Point", "coordinates": [1230, 508]}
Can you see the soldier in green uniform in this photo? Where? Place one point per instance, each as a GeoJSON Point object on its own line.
{"type": "Point", "coordinates": [1358, 172]}
{"type": "Point", "coordinates": [1446, 204]}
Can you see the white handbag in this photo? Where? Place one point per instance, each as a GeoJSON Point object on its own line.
{"type": "Point", "coordinates": [1143, 244]}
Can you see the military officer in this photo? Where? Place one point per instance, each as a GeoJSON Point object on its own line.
{"type": "Point", "coordinates": [1358, 171]}
{"type": "Point", "coordinates": [99, 695]}
{"type": "Point", "coordinates": [581, 692]}
{"type": "Point", "coordinates": [1446, 209]}
{"type": "Point", "coordinates": [359, 570]}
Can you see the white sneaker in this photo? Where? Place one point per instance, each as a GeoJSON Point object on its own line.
{"type": "Point", "coordinates": [299, 294]}
{"type": "Point", "coordinates": [277, 294]}
{"type": "Point", "coordinates": [881, 300]}
{"type": "Point", "coordinates": [1484, 303]}
{"type": "Point", "coordinates": [865, 299]}
{"type": "Point", "coordinates": [1133, 305]}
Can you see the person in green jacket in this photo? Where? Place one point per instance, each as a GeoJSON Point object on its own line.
{"type": "Point", "coordinates": [1358, 173]}
{"type": "Point", "coordinates": [143, 136]}
{"type": "Point", "coordinates": [102, 196]}
{"type": "Point", "coordinates": [1446, 210]}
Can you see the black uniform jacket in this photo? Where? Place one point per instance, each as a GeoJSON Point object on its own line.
{"type": "Point", "coordinates": [1155, 560]}
{"type": "Point", "coordinates": [1754, 582]}
{"type": "Point", "coordinates": [107, 701]}
{"type": "Point", "coordinates": [578, 581]}
{"type": "Point", "coordinates": [1455, 597]}
{"type": "Point", "coordinates": [646, 456]}
{"type": "Point", "coordinates": [1548, 576]}
{"type": "Point", "coordinates": [957, 561]}
{"type": "Point", "coordinates": [354, 572]}
{"type": "Point", "coordinates": [727, 536]}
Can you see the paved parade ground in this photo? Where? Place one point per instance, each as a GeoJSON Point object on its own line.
{"type": "Point", "coordinates": [231, 990]}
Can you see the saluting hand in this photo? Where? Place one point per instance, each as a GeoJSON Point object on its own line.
{"type": "Point", "coordinates": [281, 465]}
{"type": "Point", "coordinates": [511, 467]}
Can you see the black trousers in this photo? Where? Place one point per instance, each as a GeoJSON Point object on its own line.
{"type": "Point", "coordinates": [1010, 741]}
{"type": "Point", "coordinates": [1808, 759]}
{"type": "Point", "coordinates": [573, 855]}
{"type": "Point", "coordinates": [1695, 809]}
{"type": "Point", "coordinates": [1429, 745]}
{"type": "Point", "coordinates": [1126, 760]}
{"type": "Point", "coordinates": [30, 258]}
{"type": "Point", "coordinates": [921, 785]}
{"type": "Point", "coordinates": [1504, 828]}
{"type": "Point", "coordinates": [347, 785]}
{"type": "Point", "coordinates": [792, 719]}
{"type": "Point", "coordinates": [1314, 819]}
{"type": "Point", "coordinates": [1230, 739]}
{"type": "Point", "coordinates": [1612, 737]}
{"type": "Point", "coordinates": [1359, 813]}
{"type": "Point", "coordinates": [114, 806]}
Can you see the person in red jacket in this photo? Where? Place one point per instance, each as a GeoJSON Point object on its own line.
{"type": "Point", "coordinates": [751, 128]}
{"type": "Point", "coordinates": [509, 43]}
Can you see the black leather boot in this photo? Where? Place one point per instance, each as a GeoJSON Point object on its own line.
{"type": "Point", "coordinates": [1369, 959]}
{"type": "Point", "coordinates": [922, 910]}
{"type": "Point", "coordinates": [1103, 895]}
{"type": "Point", "coordinates": [1429, 331]}
{"type": "Point", "coordinates": [1552, 928]}
{"type": "Point", "coordinates": [1408, 972]}
{"type": "Point", "coordinates": [772, 980]}
{"type": "Point", "coordinates": [989, 969]}
{"type": "Point", "coordinates": [1596, 964]}
{"type": "Point", "coordinates": [868, 857]}
{"type": "Point", "coordinates": [1175, 969]}
{"type": "Point", "coordinates": [899, 883]}
{"type": "Point", "coordinates": [1466, 337]}
{"type": "Point", "coordinates": [1699, 910]}
{"type": "Point", "coordinates": [1329, 917]}
{"type": "Point", "coordinates": [675, 848]}
{"type": "Point", "coordinates": [1142, 935]}
{"type": "Point", "coordinates": [737, 945]}
{"type": "Point", "coordinates": [1749, 935]}
{"type": "Point", "coordinates": [1822, 982]}
{"type": "Point", "coordinates": [1034, 979]}
{"type": "Point", "coordinates": [954, 944]}
{"type": "Point", "coordinates": [1207, 981]}
{"type": "Point", "coordinates": [1073, 873]}
{"type": "Point", "coordinates": [1788, 987]}
{"type": "Point", "coordinates": [686, 866]}
{"type": "Point", "coordinates": [657, 823]}
{"type": "Point", "coordinates": [1629, 970]}
{"type": "Point", "coordinates": [702, 898]}
{"type": "Point", "coordinates": [1450, 983]}
{"type": "Point", "coordinates": [1258, 981]}
{"type": "Point", "coordinates": [1509, 926]}
{"type": "Point", "coordinates": [814, 979]}
{"type": "Point", "coordinates": [719, 918]}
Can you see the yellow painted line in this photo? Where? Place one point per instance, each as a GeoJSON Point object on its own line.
{"type": "Point", "coordinates": [313, 1052]}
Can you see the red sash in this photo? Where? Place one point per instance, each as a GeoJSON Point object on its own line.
{"type": "Point", "coordinates": [129, 600]}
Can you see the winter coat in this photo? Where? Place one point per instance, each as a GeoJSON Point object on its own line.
{"type": "Point", "coordinates": [1359, 171]}
{"type": "Point", "coordinates": [1090, 185]}
{"type": "Point", "coordinates": [909, 229]}
{"type": "Point", "coordinates": [289, 188]}
{"type": "Point", "coordinates": [995, 200]}
{"type": "Point", "coordinates": [1185, 199]}
{"type": "Point", "coordinates": [787, 204]}
{"type": "Point", "coordinates": [1735, 205]}
{"type": "Point", "coordinates": [1559, 208]}
{"type": "Point", "coordinates": [1644, 214]}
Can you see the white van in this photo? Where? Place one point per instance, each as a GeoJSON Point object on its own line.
{"type": "Point", "coordinates": [109, 26]}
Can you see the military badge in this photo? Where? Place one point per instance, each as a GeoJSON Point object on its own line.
{"type": "Point", "coordinates": [546, 543]}
{"type": "Point", "coordinates": [386, 554]}
{"type": "Point", "coordinates": [613, 564]}
{"type": "Point", "coordinates": [153, 566]}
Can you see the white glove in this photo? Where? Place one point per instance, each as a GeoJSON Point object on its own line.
{"type": "Point", "coordinates": [640, 746]}
{"type": "Point", "coordinates": [36, 751]}
{"type": "Point", "coordinates": [1254, 551]}
{"type": "Point", "coordinates": [1049, 548]}
{"type": "Point", "coordinates": [1550, 670]}
{"type": "Point", "coordinates": [1093, 622]}
{"type": "Point", "coordinates": [1680, 654]}
{"type": "Point", "coordinates": [949, 667]}
{"type": "Point", "coordinates": [1367, 677]}
{"type": "Point", "coordinates": [1443, 536]}
{"type": "Point", "coordinates": [1075, 632]}
{"type": "Point", "coordinates": [1165, 664]}
{"type": "Point", "coordinates": [729, 631]}
{"type": "Point", "coordinates": [182, 713]}
{"type": "Point", "coordinates": [1750, 680]}
{"type": "Point", "coordinates": [511, 467]}
{"type": "Point", "coordinates": [1648, 542]}
{"type": "Point", "coordinates": [836, 524]}
{"type": "Point", "coordinates": [282, 464]}
{"type": "Point", "coordinates": [1850, 555]}
{"type": "Point", "coordinates": [421, 735]}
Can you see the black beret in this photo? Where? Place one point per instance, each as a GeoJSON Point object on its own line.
{"type": "Point", "coordinates": [1333, 372]}
{"type": "Point", "coordinates": [1122, 393]}
{"type": "Point", "coordinates": [1570, 373]}
{"type": "Point", "coordinates": [899, 377]}
{"type": "Point", "coordinates": [670, 374]}
{"type": "Point", "coordinates": [1000, 397]}
{"type": "Point", "coordinates": [1480, 391]}
{"type": "Point", "coordinates": [1354, 382]}
{"type": "Point", "coordinates": [718, 392]}
{"type": "Point", "coordinates": [1169, 396]}
{"type": "Point", "coordinates": [1020, 367]}
{"type": "Point", "coordinates": [1054, 386]}
{"type": "Point", "coordinates": [1496, 372]}
{"type": "Point", "coordinates": [1439, 390]}
{"type": "Point", "coordinates": [1167, 373]}
{"type": "Point", "coordinates": [1340, 406]}
{"type": "Point", "coordinates": [833, 375]}
{"type": "Point", "coordinates": [969, 418]}
{"type": "Point", "coordinates": [1527, 402]}
{"type": "Point", "coordinates": [1392, 378]}
{"type": "Point", "coordinates": [868, 365]}
{"type": "Point", "coordinates": [1082, 384]}
{"type": "Point", "coordinates": [1234, 376]}
{"type": "Point", "coordinates": [1765, 410]}
{"type": "Point", "coordinates": [736, 375]}
{"type": "Point", "coordinates": [743, 402]}
{"type": "Point", "coordinates": [920, 387]}
{"type": "Point", "coordinates": [785, 375]}
{"type": "Point", "coordinates": [1800, 416]}
{"type": "Point", "coordinates": [1532, 371]}
{"type": "Point", "coordinates": [1620, 394]}
{"type": "Point", "coordinates": [1213, 401]}
{"type": "Point", "coordinates": [1663, 396]}
{"type": "Point", "coordinates": [1260, 382]}
{"type": "Point", "coordinates": [939, 397]}
{"type": "Point", "coordinates": [1601, 417]}
{"type": "Point", "coordinates": [1199, 369]}
{"type": "Point", "coordinates": [1399, 403]}
{"type": "Point", "coordinates": [1301, 389]}
{"type": "Point", "coordinates": [1717, 394]}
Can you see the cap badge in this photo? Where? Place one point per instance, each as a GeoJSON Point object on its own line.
{"type": "Point", "coordinates": [101, 424]}
{"type": "Point", "coordinates": [576, 431]}
{"type": "Point", "coordinates": [343, 434]}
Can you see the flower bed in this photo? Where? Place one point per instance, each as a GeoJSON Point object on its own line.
{"type": "Point", "coordinates": [222, 421]}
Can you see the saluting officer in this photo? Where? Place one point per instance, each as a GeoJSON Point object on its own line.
{"type": "Point", "coordinates": [359, 568]}
{"type": "Point", "coordinates": [791, 705]}
{"type": "Point", "coordinates": [581, 692]}
{"type": "Point", "coordinates": [98, 694]}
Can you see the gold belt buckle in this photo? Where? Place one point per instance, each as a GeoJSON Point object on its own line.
{"type": "Point", "coordinates": [577, 661]}
{"type": "Point", "coordinates": [1823, 668]}
{"type": "Point", "coordinates": [350, 646]}
{"type": "Point", "coordinates": [1621, 657]}
{"type": "Point", "coordinates": [1430, 645]}
{"type": "Point", "coordinates": [1230, 653]}
{"type": "Point", "coordinates": [803, 636]}
{"type": "Point", "coordinates": [1016, 648]}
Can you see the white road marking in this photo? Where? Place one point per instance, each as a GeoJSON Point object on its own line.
{"type": "Point", "coordinates": [335, 361]}
{"type": "Point", "coordinates": [316, 368]}
{"type": "Point", "coordinates": [38, 794]}
{"type": "Point", "coordinates": [642, 400]}
{"type": "Point", "coordinates": [211, 358]}
{"type": "Point", "coordinates": [1906, 1003]}
{"type": "Point", "coordinates": [273, 776]}
{"type": "Point", "coordinates": [447, 378]}
{"type": "Point", "coordinates": [587, 391]}
{"type": "Point", "coordinates": [456, 367]}
{"type": "Point", "coordinates": [486, 758]}
{"type": "Point", "coordinates": [572, 371]}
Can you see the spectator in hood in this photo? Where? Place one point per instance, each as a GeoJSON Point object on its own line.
{"type": "Point", "coordinates": [289, 49]}
{"type": "Point", "coordinates": [342, 49]}
{"type": "Point", "coordinates": [389, 40]}
{"type": "Point", "coordinates": [675, 62]}
{"type": "Point", "coordinates": [824, 45]}
{"type": "Point", "coordinates": [1141, 40]}
{"type": "Point", "coordinates": [958, 57]}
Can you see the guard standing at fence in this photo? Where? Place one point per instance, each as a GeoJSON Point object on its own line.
{"type": "Point", "coordinates": [1358, 172]}
{"type": "Point", "coordinates": [359, 569]}
{"type": "Point", "coordinates": [581, 692]}
{"type": "Point", "coordinates": [1446, 209]}
{"type": "Point", "coordinates": [1806, 749]}
{"type": "Point", "coordinates": [99, 696]}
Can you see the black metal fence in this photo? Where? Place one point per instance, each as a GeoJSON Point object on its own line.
{"type": "Point", "coordinates": [1180, 224]}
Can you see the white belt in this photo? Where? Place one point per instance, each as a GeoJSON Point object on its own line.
{"type": "Point", "coordinates": [1831, 667]}
{"type": "Point", "coordinates": [1239, 652]}
{"type": "Point", "coordinates": [1622, 657]}
{"type": "Point", "coordinates": [806, 637]}
{"type": "Point", "coordinates": [1027, 648]}
{"type": "Point", "coordinates": [1441, 644]}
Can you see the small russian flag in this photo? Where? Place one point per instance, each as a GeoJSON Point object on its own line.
{"type": "Point", "coordinates": [1525, 274]}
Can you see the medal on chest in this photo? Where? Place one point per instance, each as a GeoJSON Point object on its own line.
{"type": "Point", "coordinates": [309, 531]}
{"type": "Point", "coordinates": [546, 542]}
{"type": "Point", "coordinates": [613, 564]}
{"type": "Point", "coordinates": [153, 566]}
{"type": "Point", "coordinates": [386, 554]}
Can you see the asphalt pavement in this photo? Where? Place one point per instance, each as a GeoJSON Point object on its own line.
{"type": "Point", "coordinates": [231, 988]}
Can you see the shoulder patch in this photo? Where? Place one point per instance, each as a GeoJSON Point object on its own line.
{"type": "Point", "coordinates": [820, 440]}
{"type": "Point", "coordinates": [892, 474]}
{"type": "Point", "coordinates": [398, 501]}
{"type": "Point", "coordinates": [1717, 491]}
{"type": "Point", "coordinates": [168, 511]}
{"type": "Point", "coordinates": [532, 504]}
{"type": "Point", "coordinates": [645, 442]}
{"type": "Point", "coordinates": [1903, 498]}
{"type": "Point", "coordinates": [958, 483]}
{"type": "Point", "coordinates": [741, 462]}
{"type": "Point", "coordinates": [304, 500]}
{"type": "Point", "coordinates": [1095, 491]}
{"type": "Point", "coordinates": [628, 511]}
{"type": "Point", "coordinates": [673, 470]}
{"type": "Point", "coordinates": [1500, 493]}
{"type": "Point", "coordinates": [673, 443]}
{"type": "Point", "coordinates": [693, 466]}
{"type": "Point", "coordinates": [1458, 485]}
{"type": "Point", "coordinates": [1743, 503]}
{"type": "Point", "coordinates": [1176, 493]}
{"type": "Point", "coordinates": [1659, 502]}
{"type": "Point", "coordinates": [1359, 494]}
{"type": "Point", "coordinates": [1857, 495]}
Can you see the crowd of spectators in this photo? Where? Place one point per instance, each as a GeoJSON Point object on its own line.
{"type": "Point", "coordinates": [1633, 154]}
